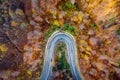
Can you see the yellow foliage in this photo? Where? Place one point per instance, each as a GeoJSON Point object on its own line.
{"type": "Point", "coordinates": [3, 48]}
{"type": "Point", "coordinates": [29, 72]}
{"type": "Point", "coordinates": [108, 42]}
{"type": "Point", "coordinates": [90, 1]}
{"type": "Point", "coordinates": [82, 41]}
{"type": "Point", "coordinates": [88, 48]}
{"type": "Point", "coordinates": [110, 6]}
{"type": "Point", "coordinates": [80, 17]}
{"type": "Point", "coordinates": [80, 46]}
{"type": "Point", "coordinates": [75, 18]}
{"type": "Point", "coordinates": [61, 21]}
{"type": "Point", "coordinates": [56, 22]}
{"type": "Point", "coordinates": [14, 23]}
{"type": "Point", "coordinates": [116, 27]}
{"type": "Point", "coordinates": [112, 3]}
{"type": "Point", "coordinates": [54, 12]}
{"type": "Point", "coordinates": [88, 53]}
{"type": "Point", "coordinates": [85, 57]}
{"type": "Point", "coordinates": [33, 11]}
{"type": "Point", "coordinates": [10, 13]}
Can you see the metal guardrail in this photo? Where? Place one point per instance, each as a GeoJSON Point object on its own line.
{"type": "Point", "coordinates": [70, 42]}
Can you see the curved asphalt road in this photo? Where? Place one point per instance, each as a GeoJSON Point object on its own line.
{"type": "Point", "coordinates": [71, 55]}
{"type": "Point", "coordinates": [50, 47]}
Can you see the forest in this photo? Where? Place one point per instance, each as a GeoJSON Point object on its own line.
{"type": "Point", "coordinates": [27, 25]}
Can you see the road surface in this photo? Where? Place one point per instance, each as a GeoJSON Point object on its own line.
{"type": "Point", "coordinates": [70, 42]}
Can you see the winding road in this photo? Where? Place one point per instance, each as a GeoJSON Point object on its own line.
{"type": "Point", "coordinates": [69, 40]}
{"type": "Point", "coordinates": [56, 38]}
